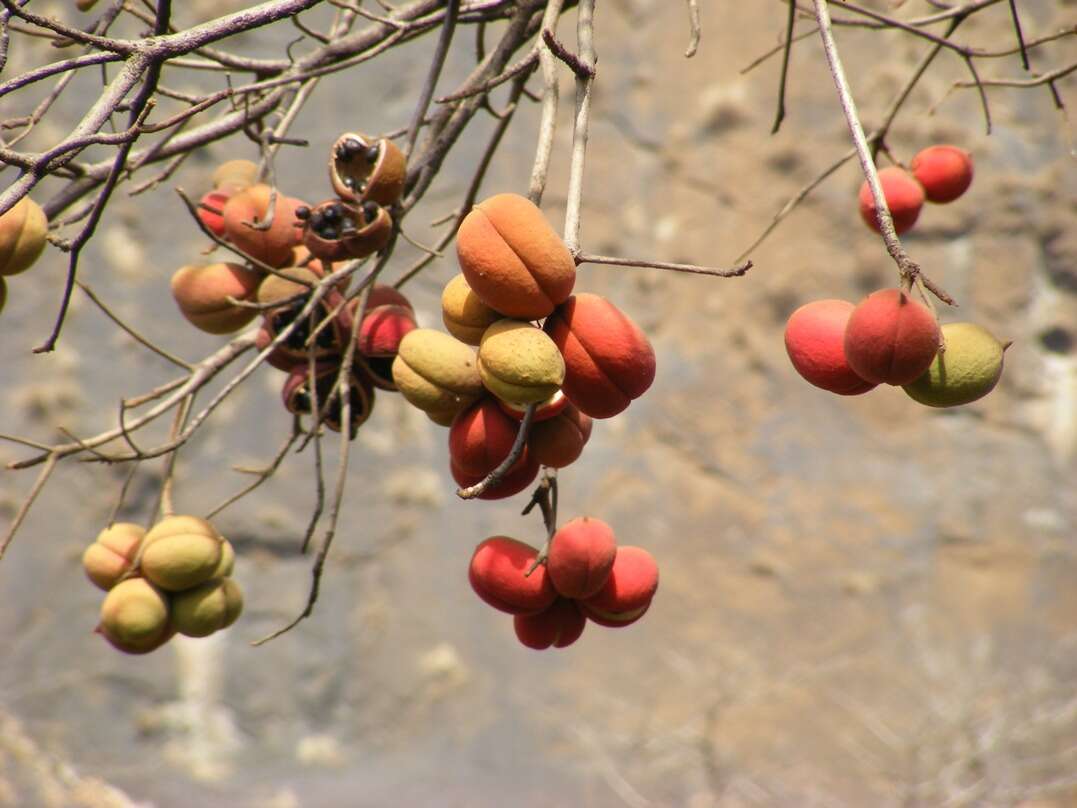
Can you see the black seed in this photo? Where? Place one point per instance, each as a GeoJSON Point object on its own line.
{"type": "Point", "coordinates": [370, 211]}
{"type": "Point", "coordinates": [348, 149]}
{"type": "Point", "coordinates": [301, 401]}
{"type": "Point", "coordinates": [349, 182]}
{"type": "Point", "coordinates": [325, 338]}
{"type": "Point", "coordinates": [330, 234]}
{"type": "Point", "coordinates": [302, 213]}
{"type": "Point", "coordinates": [372, 153]}
{"type": "Point", "coordinates": [332, 213]}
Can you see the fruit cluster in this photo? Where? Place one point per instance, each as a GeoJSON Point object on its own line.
{"type": "Point", "coordinates": [300, 243]}
{"type": "Point", "coordinates": [891, 338]}
{"type": "Point", "coordinates": [173, 579]}
{"type": "Point", "coordinates": [937, 174]}
{"type": "Point", "coordinates": [584, 576]}
{"type": "Point", "coordinates": [22, 239]}
{"type": "Point", "coordinates": [588, 360]}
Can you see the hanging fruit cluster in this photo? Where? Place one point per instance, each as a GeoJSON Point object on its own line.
{"type": "Point", "coordinates": [584, 575]}
{"type": "Point", "coordinates": [176, 578]}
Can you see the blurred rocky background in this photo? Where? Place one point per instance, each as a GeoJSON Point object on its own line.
{"type": "Point", "coordinates": [863, 601]}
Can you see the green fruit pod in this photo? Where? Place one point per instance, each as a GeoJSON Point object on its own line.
{"type": "Point", "coordinates": [207, 608]}
{"type": "Point", "coordinates": [180, 552]}
{"type": "Point", "coordinates": [519, 363]}
{"type": "Point", "coordinates": [436, 373]}
{"type": "Point", "coordinates": [967, 370]}
{"type": "Point", "coordinates": [135, 617]}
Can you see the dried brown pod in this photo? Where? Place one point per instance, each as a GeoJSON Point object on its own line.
{"type": "Point", "coordinates": [335, 230]}
{"type": "Point", "coordinates": [298, 398]}
{"type": "Point", "coordinates": [330, 340]}
{"type": "Point", "coordinates": [364, 169]}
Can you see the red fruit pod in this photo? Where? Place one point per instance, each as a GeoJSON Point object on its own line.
{"type": "Point", "coordinates": [904, 196]}
{"type": "Point", "coordinates": [608, 360]}
{"type": "Point", "coordinates": [558, 442]}
{"type": "Point", "coordinates": [891, 338]}
{"type": "Point", "coordinates": [558, 626]}
{"type": "Point", "coordinates": [944, 171]}
{"type": "Point", "coordinates": [211, 211]}
{"type": "Point", "coordinates": [249, 207]}
{"type": "Point", "coordinates": [384, 295]}
{"type": "Point", "coordinates": [202, 294]}
{"type": "Point", "coordinates": [481, 437]}
{"type": "Point", "coordinates": [519, 477]}
{"type": "Point", "coordinates": [498, 574]}
{"type": "Point", "coordinates": [581, 557]}
{"type": "Point", "coordinates": [628, 591]}
{"type": "Point", "coordinates": [815, 342]}
{"type": "Point", "coordinates": [512, 259]}
{"type": "Point", "coordinates": [379, 335]}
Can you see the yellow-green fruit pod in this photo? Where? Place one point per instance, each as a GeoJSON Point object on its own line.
{"type": "Point", "coordinates": [235, 175]}
{"type": "Point", "coordinates": [463, 313]}
{"type": "Point", "coordinates": [207, 608]}
{"type": "Point", "coordinates": [968, 369]}
{"type": "Point", "coordinates": [227, 562]}
{"type": "Point", "coordinates": [3, 293]}
{"type": "Point", "coordinates": [134, 616]}
{"type": "Point", "coordinates": [180, 552]}
{"type": "Point", "coordinates": [22, 236]}
{"type": "Point", "coordinates": [435, 372]}
{"type": "Point", "coordinates": [112, 554]}
{"type": "Point", "coordinates": [519, 363]}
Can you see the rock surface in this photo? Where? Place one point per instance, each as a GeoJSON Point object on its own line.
{"type": "Point", "coordinates": [863, 601]}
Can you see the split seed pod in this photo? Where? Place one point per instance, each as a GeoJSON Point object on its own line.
{"type": "Point", "coordinates": [335, 231]}
{"type": "Point", "coordinates": [437, 373]}
{"type": "Point", "coordinates": [22, 236]}
{"type": "Point", "coordinates": [202, 296]}
{"type": "Point", "coordinates": [112, 554]}
{"type": "Point", "coordinates": [283, 287]}
{"type": "Point", "coordinates": [363, 169]}
{"type": "Point", "coordinates": [297, 397]}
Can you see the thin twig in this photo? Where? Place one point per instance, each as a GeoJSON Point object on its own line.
{"type": "Point", "coordinates": [581, 124]}
{"type": "Point", "coordinates": [695, 27]}
{"type": "Point", "coordinates": [908, 269]}
{"type": "Point", "coordinates": [779, 116]}
{"type": "Point", "coordinates": [734, 272]}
